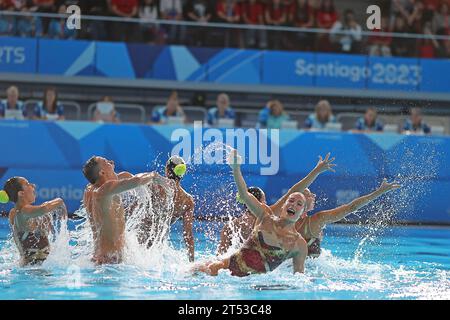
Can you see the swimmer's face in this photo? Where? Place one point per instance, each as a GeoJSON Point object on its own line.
{"type": "Point", "coordinates": [310, 201]}
{"type": "Point", "coordinates": [294, 207]}
{"type": "Point", "coordinates": [106, 168]}
{"type": "Point", "coordinates": [28, 193]}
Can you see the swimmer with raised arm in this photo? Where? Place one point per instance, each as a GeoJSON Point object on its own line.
{"type": "Point", "coordinates": [30, 234]}
{"type": "Point", "coordinates": [104, 206]}
{"type": "Point", "coordinates": [244, 224]}
{"type": "Point", "coordinates": [183, 205]}
{"type": "Point", "coordinates": [273, 240]}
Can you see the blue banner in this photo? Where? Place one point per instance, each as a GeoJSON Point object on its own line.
{"type": "Point", "coordinates": [52, 155]}
{"type": "Point", "coordinates": [18, 55]}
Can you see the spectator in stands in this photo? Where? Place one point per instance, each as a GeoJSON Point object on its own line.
{"type": "Point", "coordinates": [198, 11]}
{"type": "Point", "coordinates": [415, 123]}
{"type": "Point", "coordinates": [302, 15]}
{"type": "Point", "coordinates": [43, 6]}
{"type": "Point", "coordinates": [57, 28]}
{"type": "Point", "coordinates": [350, 41]}
{"type": "Point", "coordinates": [12, 102]}
{"type": "Point", "coordinates": [106, 111]}
{"type": "Point", "coordinates": [441, 19]}
{"type": "Point", "coordinates": [172, 109]}
{"type": "Point", "coordinates": [150, 32]}
{"type": "Point", "coordinates": [326, 16]}
{"type": "Point", "coordinates": [228, 11]}
{"type": "Point", "coordinates": [94, 29]}
{"type": "Point", "coordinates": [322, 116]}
{"type": "Point", "coordinates": [273, 115]}
{"type": "Point", "coordinates": [402, 47]}
{"type": "Point", "coordinates": [369, 122]}
{"type": "Point", "coordinates": [380, 45]}
{"type": "Point", "coordinates": [49, 108]}
{"type": "Point", "coordinates": [123, 31]}
{"type": "Point", "coordinates": [6, 22]}
{"type": "Point", "coordinates": [276, 15]}
{"type": "Point", "coordinates": [428, 48]}
{"type": "Point", "coordinates": [253, 14]}
{"type": "Point", "coordinates": [173, 10]}
{"type": "Point", "coordinates": [24, 26]}
{"type": "Point", "coordinates": [221, 111]}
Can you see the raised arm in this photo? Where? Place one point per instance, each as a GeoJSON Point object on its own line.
{"type": "Point", "coordinates": [255, 207]}
{"type": "Point", "coordinates": [188, 222]}
{"type": "Point", "coordinates": [31, 212]}
{"type": "Point", "coordinates": [334, 215]}
{"type": "Point", "coordinates": [322, 166]}
{"type": "Point", "coordinates": [118, 186]}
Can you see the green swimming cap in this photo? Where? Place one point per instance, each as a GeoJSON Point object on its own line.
{"type": "Point", "coordinates": [180, 169]}
{"type": "Point", "coordinates": [4, 198]}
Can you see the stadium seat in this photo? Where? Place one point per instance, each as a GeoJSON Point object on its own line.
{"type": "Point", "coordinates": [348, 120]}
{"type": "Point", "coordinates": [72, 110]}
{"type": "Point", "coordinates": [132, 113]}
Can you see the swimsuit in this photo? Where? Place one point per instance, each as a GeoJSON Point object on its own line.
{"type": "Point", "coordinates": [313, 243]}
{"type": "Point", "coordinates": [256, 257]}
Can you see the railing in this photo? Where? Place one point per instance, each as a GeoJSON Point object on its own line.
{"type": "Point", "coordinates": [216, 34]}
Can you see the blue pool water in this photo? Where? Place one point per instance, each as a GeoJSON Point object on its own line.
{"type": "Point", "coordinates": [358, 262]}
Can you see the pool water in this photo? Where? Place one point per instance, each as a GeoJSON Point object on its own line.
{"type": "Point", "coordinates": [358, 262]}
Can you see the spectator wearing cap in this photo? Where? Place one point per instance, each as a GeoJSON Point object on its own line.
{"type": "Point", "coordinates": [321, 117]}
{"type": "Point", "coordinates": [172, 109]}
{"type": "Point", "coordinates": [12, 102]}
{"type": "Point", "coordinates": [273, 115]}
{"type": "Point", "coordinates": [415, 123]}
{"type": "Point", "coordinates": [369, 122]}
{"type": "Point", "coordinates": [221, 111]}
{"type": "Point", "coordinates": [49, 108]}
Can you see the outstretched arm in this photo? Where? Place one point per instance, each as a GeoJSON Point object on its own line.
{"type": "Point", "coordinates": [334, 215]}
{"type": "Point", "coordinates": [31, 212]}
{"type": "Point", "coordinates": [255, 207]}
{"type": "Point", "coordinates": [322, 166]}
{"type": "Point", "coordinates": [118, 186]}
{"type": "Point", "coordinates": [188, 222]}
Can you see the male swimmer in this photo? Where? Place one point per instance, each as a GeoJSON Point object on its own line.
{"type": "Point", "coordinates": [274, 238]}
{"type": "Point", "coordinates": [244, 224]}
{"type": "Point", "coordinates": [104, 206]}
{"type": "Point", "coordinates": [30, 235]}
{"type": "Point", "coordinates": [183, 205]}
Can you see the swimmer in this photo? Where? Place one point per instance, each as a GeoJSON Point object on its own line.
{"type": "Point", "coordinates": [244, 224]}
{"type": "Point", "coordinates": [273, 240]}
{"type": "Point", "coordinates": [104, 206]}
{"type": "Point", "coordinates": [30, 234]}
{"type": "Point", "coordinates": [183, 204]}
{"type": "Point", "coordinates": [310, 227]}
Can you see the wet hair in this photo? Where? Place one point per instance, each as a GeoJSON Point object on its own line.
{"type": "Point", "coordinates": [90, 170]}
{"type": "Point", "coordinates": [256, 192]}
{"type": "Point", "coordinates": [170, 166]}
{"type": "Point", "coordinates": [12, 188]}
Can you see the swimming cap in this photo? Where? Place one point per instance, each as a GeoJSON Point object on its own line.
{"type": "Point", "coordinates": [255, 191]}
{"type": "Point", "coordinates": [176, 167]}
{"type": "Point", "coordinates": [4, 198]}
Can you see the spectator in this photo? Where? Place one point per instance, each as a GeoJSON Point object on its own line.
{"type": "Point", "coordinates": [49, 108]}
{"type": "Point", "coordinates": [25, 26]}
{"type": "Point", "coordinates": [6, 22]}
{"type": "Point", "coordinates": [199, 11]}
{"type": "Point", "coordinates": [172, 109]}
{"type": "Point", "coordinates": [12, 102]}
{"type": "Point", "coordinates": [402, 47]}
{"type": "Point", "coordinates": [106, 112]}
{"type": "Point", "coordinates": [415, 123]}
{"type": "Point", "coordinates": [276, 15]}
{"type": "Point", "coordinates": [253, 14]}
{"type": "Point", "coordinates": [273, 115]}
{"type": "Point", "coordinates": [350, 42]}
{"type": "Point", "coordinates": [150, 32]}
{"type": "Point", "coordinates": [301, 15]}
{"type": "Point", "coordinates": [428, 48]}
{"type": "Point", "coordinates": [380, 45]}
{"type": "Point", "coordinates": [441, 19]}
{"type": "Point", "coordinates": [326, 16]}
{"type": "Point", "coordinates": [94, 29]}
{"type": "Point", "coordinates": [322, 116]}
{"type": "Point", "coordinates": [221, 111]}
{"type": "Point", "coordinates": [173, 10]}
{"type": "Point", "coordinates": [228, 11]}
{"type": "Point", "coordinates": [123, 31]}
{"type": "Point", "coordinates": [43, 6]}
{"type": "Point", "coordinates": [369, 122]}
{"type": "Point", "coordinates": [57, 28]}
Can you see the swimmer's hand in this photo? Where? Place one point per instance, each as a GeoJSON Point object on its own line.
{"type": "Point", "coordinates": [234, 159]}
{"type": "Point", "coordinates": [386, 186]}
{"type": "Point", "coordinates": [326, 164]}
